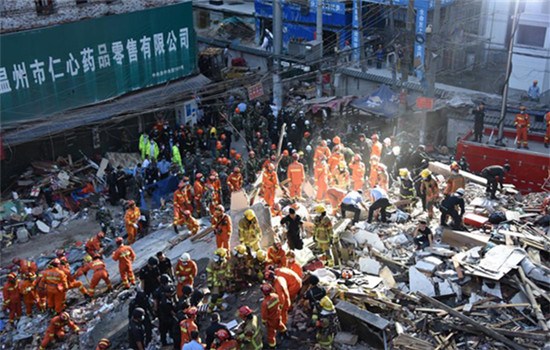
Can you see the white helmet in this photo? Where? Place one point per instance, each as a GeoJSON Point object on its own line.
{"type": "Point", "coordinates": [185, 257]}
{"type": "Point", "coordinates": [306, 122]}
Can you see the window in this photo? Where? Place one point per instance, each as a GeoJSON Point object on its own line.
{"type": "Point", "coordinates": [531, 35]}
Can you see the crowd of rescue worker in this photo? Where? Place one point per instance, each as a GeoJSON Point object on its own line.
{"type": "Point", "coordinates": [344, 173]}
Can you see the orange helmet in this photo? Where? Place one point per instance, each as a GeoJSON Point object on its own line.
{"type": "Point", "coordinates": [238, 156]}
{"type": "Point", "coordinates": [455, 166]}
{"type": "Point", "coordinates": [336, 140]}
{"type": "Point", "coordinates": [307, 134]}
{"type": "Point", "coordinates": [285, 152]}
{"type": "Point", "coordinates": [200, 132]}
{"type": "Point", "coordinates": [131, 203]}
{"type": "Point", "coordinates": [191, 311]}
{"type": "Point", "coordinates": [232, 152]}
{"type": "Point", "coordinates": [11, 276]}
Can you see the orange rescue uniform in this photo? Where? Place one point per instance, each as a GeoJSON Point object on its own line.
{"type": "Point", "coordinates": [293, 281]}
{"type": "Point", "coordinates": [235, 181]}
{"type": "Point", "coordinates": [522, 125]}
{"type": "Point", "coordinates": [321, 180]}
{"type": "Point", "coordinates": [547, 122]}
{"type": "Point", "coordinates": [269, 184]}
{"type": "Point", "coordinates": [281, 288]}
{"type": "Point", "coordinates": [185, 275]}
{"type": "Point", "coordinates": [99, 273]}
{"type": "Point", "coordinates": [125, 255]}
{"type": "Point", "coordinates": [55, 282]}
{"type": "Point", "coordinates": [321, 151]}
{"type": "Point", "coordinates": [271, 317]}
{"type": "Point", "coordinates": [12, 299]}
{"type": "Point", "coordinates": [276, 257]}
{"type": "Point", "coordinates": [296, 175]}
{"type": "Point", "coordinates": [28, 292]}
{"type": "Point", "coordinates": [131, 219]}
{"type": "Point", "coordinates": [222, 229]}
{"type": "Point", "coordinates": [56, 329]}
{"type": "Point", "coordinates": [187, 326]}
{"type": "Point", "coordinates": [358, 170]}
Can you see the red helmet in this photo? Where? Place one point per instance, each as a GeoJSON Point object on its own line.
{"type": "Point", "coordinates": [266, 288]}
{"type": "Point", "coordinates": [200, 132]}
{"type": "Point", "coordinates": [101, 235]}
{"type": "Point", "coordinates": [307, 134]}
{"type": "Point", "coordinates": [55, 262]}
{"type": "Point", "coordinates": [269, 275]}
{"type": "Point", "coordinates": [285, 152]}
{"type": "Point", "coordinates": [191, 311]}
{"type": "Point", "coordinates": [11, 276]}
{"type": "Point", "coordinates": [187, 212]}
{"type": "Point", "coordinates": [222, 334]}
{"type": "Point", "coordinates": [104, 344]}
{"type": "Point", "coordinates": [232, 152]}
{"type": "Point", "coordinates": [244, 311]}
{"type": "Point", "coordinates": [64, 316]}
{"type": "Point", "coordinates": [131, 203]}
{"type": "Point", "coordinates": [225, 161]}
{"type": "Point", "coordinates": [238, 156]}
{"type": "Point", "coordinates": [119, 240]}
{"type": "Point", "coordinates": [198, 176]}
{"type": "Point", "coordinates": [273, 146]}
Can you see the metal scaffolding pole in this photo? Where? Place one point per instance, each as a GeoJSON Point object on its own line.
{"type": "Point", "coordinates": [277, 51]}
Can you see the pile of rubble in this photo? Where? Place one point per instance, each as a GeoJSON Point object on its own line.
{"type": "Point", "coordinates": [479, 289]}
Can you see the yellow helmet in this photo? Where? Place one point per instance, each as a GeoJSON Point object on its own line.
{"type": "Point", "coordinates": [319, 209]}
{"type": "Point", "coordinates": [326, 303]}
{"type": "Point", "coordinates": [240, 249]}
{"type": "Point", "coordinates": [261, 255]}
{"type": "Point", "coordinates": [425, 173]}
{"type": "Point", "coordinates": [249, 214]}
{"type": "Point", "coordinates": [221, 252]}
{"type": "Point", "coordinates": [87, 258]}
{"type": "Point", "coordinates": [403, 172]}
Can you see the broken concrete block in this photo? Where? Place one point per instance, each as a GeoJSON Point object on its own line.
{"type": "Point", "coordinates": [364, 237]}
{"type": "Point", "coordinates": [425, 266]}
{"type": "Point", "coordinates": [239, 201]}
{"type": "Point", "coordinates": [42, 226]}
{"type": "Point", "coordinates": [346, 338]}
{"type": "Point", "coordinates": [370, 266]}
{"type": "Point", "coordinates": [387, 277]}
{"type": "Point", "coordinates": [519, 298]}
{"type": "Point", "coordinates": [418, 282]}
{"type": "Point", "coordinates": [22, 235]}
{"type": "Point", "coordinates": [445, 288]}
{"type": "Point", "coordinates": [492, 288]}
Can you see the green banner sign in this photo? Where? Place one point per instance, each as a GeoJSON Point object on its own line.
{"type": "Point", "coordinates": [48, 70]}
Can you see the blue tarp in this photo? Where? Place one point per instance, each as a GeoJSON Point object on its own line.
{"type": "Point", "coordinates": [383, 102]}
{"type": "Point", "coordinates": [162, 189]}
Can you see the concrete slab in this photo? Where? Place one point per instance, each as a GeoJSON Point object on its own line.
{"type": "Point", "coordinates": [418, 282]}
{"type": "Point", "coordinates": [369, 265]}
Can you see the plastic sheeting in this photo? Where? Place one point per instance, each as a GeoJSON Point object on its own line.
{"type": "Point", "coordinates": [383, 102]}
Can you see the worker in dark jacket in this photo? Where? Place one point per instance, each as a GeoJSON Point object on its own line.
{"type": "Point", "coordinates": [448, 207]}
{"type": "Point", "coordinates": [479, 116]}
{"type": "Point", "coordinates": [491, 173]}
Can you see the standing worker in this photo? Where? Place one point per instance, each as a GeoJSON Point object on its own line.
{"type": "Point", "coordinates": [250, 233]}
{"type": "Point", "coordinates": [407, 192]}
{"type": "Point", "coordinates": [12, 297]}
{"type": "Point", "coordinates": [54, 280]}
{"type": "Point", "coordinates": [321, 176]}
{"type": "Point", "coordinates": [522, 125]}
{"type": "Point", "coordinates": [125, 256]}
{"type": "Point", "coordinates": [56, 329]}
{"type": "Point", "coordinates": [188, 325]}
{"type": "Point", "coordinates": [323, 233]}
{"type": "Point", "coordinates": [327, 324]}
{"type": "Point", "coordinates": [479, 120]}
{"type": "Point", "coordinates": [271, 314]}
{"type": "Point", "coordinates": [296, 176]}
{"type": "Point", "coordinates": [429, 189]}
{"type": "Point", "coordinates": [249, 332]}
{"type": "Point", "coordinates": [448, 208]}
{"type": "Point", "coordinates": [269, 184]}
{"type": "Point", "coordinates": [358, 171]}
{"type": "Point", "coordinates": [235, 180]}
{"type": "Point", "coordinates": [186, 271]}
{"type": "Point", "coordinates": [293, 226]}
{"type": "Point", "coordinates": [454, 181]}
{"type": "Point", "coordinates": [99, 273]}
{"type": "Point", "coordinates": [28, 292]}
{"type": "Point", "coordinates": [491, 173]}
{"type": "Point", "coordinates": [223, 227]}
{"type": "Point", "coordinates": [131, 220]}
{"type": "Point", "coordinates": [217, 275]}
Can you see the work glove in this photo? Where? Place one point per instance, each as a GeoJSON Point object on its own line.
{"type": "Point", "coordinates": [135, 225]}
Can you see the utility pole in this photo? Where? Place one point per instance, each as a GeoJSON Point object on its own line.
{"type": "Point", "coordinates": [433, 47]}
{"type": "Point", "coordinates": [515, 20]}
{"type": "Point", "coordinates": [319, 38]}
{"type": "Point", "coordinates": [277, 50]}
{"type": "Point", "coordinates": [409, 42]}
{"type": "Point", "coordinates": [392, 22]}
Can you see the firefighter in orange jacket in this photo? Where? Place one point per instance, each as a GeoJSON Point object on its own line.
{"type": "Point", "coordinates": [223, 341]}
{"type": "Point", "coordinates": [373, 175]}
{"type": "Point", "coordinates": [296, 175]}
{"type": "Point", "coordinates": [293, 264]}
{"type": "Point", "coordinates": [358, 170]}
{"type": "Point", "coordinates": [321, 178]}
{"type": "Point", "coordinates": [335, 159]}
{"type": "Point", "coordinates": [321, 151]}
{"type": "Point", "coordinates": [547, 135]}
{"type": "Point", "coordinates": [235, 180]}
{"type": "Point", "coordinates": [454, 181]}
{"type": "Point", "coordinates": [94, 246]}
{"type": "Point", "coordinates": [340, 177]}
{"type": "Point", "coordinates": [186, 270]}
{"type": "Point", "coordinates": [179, 198]}
{"type": "Point", "coordinates": [376, 146]}
{"type": "Point", "coordinates": [276, 255]}
{"type": "Point", "coordinates": [522, 125]}
{"type": "Point", "coordinates": [131, 219]}
{"type": "Point", "coordinates": [188, 325]}
{"type": "Point", "coordinates": [54, 280]}
{"type": "Point", "coordinates": [12, 297]}
{"type": "Point", "coordinates": [71, 281]}
{"type": "Point", "coordinates": [185, 217]}
{"type": "Point", "coordinates": [269, 184]}
{"type": "Point", "coordinates": [25, 266]}
{"type": "Point", "coordinates": [198, 190]}
{"type": "Point", "coordinates": [281, 288]}
{"type": "Point", "coordinates": [221, 223]}
{"type": "Point", "coordinates": [271, 314]}
{"type": "Point", "coordinates": [99, 273]}
{"type": "Point", "coordinates": [125, 256]}
{"type": "Point", "coordinates": [187, 191]}
{"type": "Point", "coordinates": [56, 329]}
{"type": "Point", "coordinates": [293, 281]}
{"type": "Point", "coordinates": [383, 177]}
{"type": "Point", "coordinates": [28, 292]}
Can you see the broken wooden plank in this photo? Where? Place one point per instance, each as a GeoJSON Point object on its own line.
{"type": "Point", "coordinates": [463, 239]}
{"type": "Point", "coordinates": [202, 234]}
{"type": "Point", "coordinates": [488, 331]}
{"type": "Point", "coordinates": [536, 307]}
